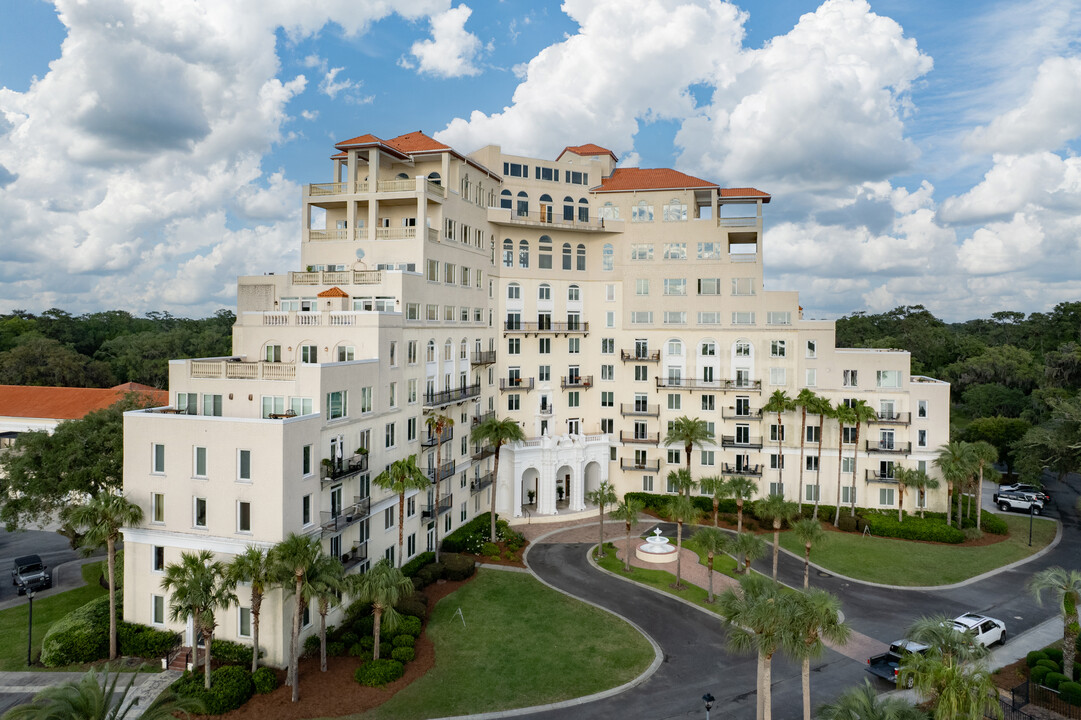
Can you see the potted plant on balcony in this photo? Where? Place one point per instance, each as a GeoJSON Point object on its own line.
{"type": "Point", "coordinates": [328, 467]}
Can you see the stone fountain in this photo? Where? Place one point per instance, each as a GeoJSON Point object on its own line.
{"type": "Point", "coordinates": [656, 549]}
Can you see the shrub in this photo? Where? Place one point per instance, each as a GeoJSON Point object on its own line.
{"type": "Point", "coordinates": [311, 645]}
{"type": "Point", "coordinates": [1070, 692]}
{"type": "Point", "coordinates": [1038, 674]}
{"type": "Point", "coordinates": [349, 638]}
{"type": "Point", "coordinates": [404, 640]}
{"type": "Point", "coordinates": [422, 579]}
{"type": "Point", "coordinates": [410, 625]}
{"type": "Point", "coordinates": [357, 650]}
{"type": "Point", "coordinates": [403, 654]}
{"type": "Point", "coordinates": [364, 626]}
{"type": "Point", "coordinates": [913, 528]}
{"type": "Point", "coordinates": [847, 523]}
{"type": "Point", "coordinates": [228, 652]}
{"type": "Point", "coordinates": [415, 604]}
{"type": "Point", "coordinates": [973, 533]}
{"type": "Point", "coordinates": [367, 643]}
{"type": "Point", "coordinates": [489, 549]}
{"type": "Point", "coordinates": [468, 537]}
{"type": "Point", "coordinates": [230, 687]}
{"type": "Point", "coordinates": [377, 673]}
{"type": "Point", "coordinates": [142, 641]}
{"type": "Point", "coordinates": [265, 680]}
{"type": "Point", "coordinates": [1033, 657]}
{"type": "Point", "coordinates": [1054, 679]}
{"type": "Point", "coordinates": [459, 567]}
{"type": "Point", "coordinates": [991, 523]}
{"type": "Point", "coordinates": [1049, 664]}
{"type": "Point", "coordinates": [1054, 653]}
{"type": "Point", "coordinates": [336, 649]}
{"type": "Point", "coordinates": [385, 648]}
{"type": "Point", "coordinates": [1077, 671]}
{"type": "Point", "coordinates": [80, 636]}
{"type": "Point", "coordinates": [412, 567]}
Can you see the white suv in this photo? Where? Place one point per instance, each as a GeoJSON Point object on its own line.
{"type": "Point", "coordinates": [1023, 501]}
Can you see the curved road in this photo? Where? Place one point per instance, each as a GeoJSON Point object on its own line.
{"type": "Point", "coordinates": [695, 660]}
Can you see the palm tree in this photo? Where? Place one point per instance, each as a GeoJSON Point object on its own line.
{"type": "Point", "coordinates": [438, 424]}
{"type": "Point", "coordinates": [844, 415]}
{"type": "Point", "coordinates": [951, 673]}
{"type": "Point", "coordinates": [253, 566]}
{"type": "Point", "coordinates": [825, 409]}
{"type": "Point", "coordinates": [603, 495]}
{"type": "Point", "coordinates": [939, 633]}
{"type": "Point", "coordinates": [713, 541]}
{"type": "Point", "coordinates": [688, 432]}
{"type": "Point", "coordinates": [1065, 588]}
{"type": "Point", "coordinates": [924, 482]}
{"type": "Point", "coordinates": [778, 510]}
{"type": "Point", "coordinates": [757, 618]}
{"type": "Point", "coordinates": [779, 402]}
{"type": "Point", "coordinates": [953, 462]}
{"type": "Point", "coordinates": [401, 477]}
{"type": "Point", "coordinates": [292, 560]}
{"type": "Point", "coordinates": [104, 516]}
{"type": "Point", "coordinates": [809, 531]}
{"type": "Point", "coordinates": [198, 585]}
{"type": "Point", "coordinates": [816, 617]}
{"type": "Point", "coordinates": [718, 488]}
{"type": "Point", "coordinates": [497, 433]}
{"type": "Point", "coordinates": [906, 478]}
{"type": "Point", "coordinates": [326, 580]}
{"type": "Point", "coordinates": [628, 511]}
{"type": "Point", "coordinates": [742, 488]}
{"type": "Point", "coordinates": [984, 454]}
{"type": "Point", "coordinates": [747, 547]}
{"type": "Point", "coordinates": [863, 413]}
{"type": "Point", "coordinates": [682, 481]}
{"type": "Point", "coordinates": [95, 697]}
{"type": "Point", "coordinates": [382, 586]}
{"type": "Point", "coordinates": [864, 703]}
{"type": "Point", "coordinates": [681, 509]}
{"type": "Point", "coordinates": [805, 400]}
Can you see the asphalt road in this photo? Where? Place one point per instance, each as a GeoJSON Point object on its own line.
{"type": "Point", "coordinates": [53, 549]}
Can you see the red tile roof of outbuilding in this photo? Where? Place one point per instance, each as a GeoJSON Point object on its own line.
{"type": "Point", "coordinates": [67, 403]}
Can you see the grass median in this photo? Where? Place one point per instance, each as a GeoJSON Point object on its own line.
{"type": "Point", "coordinates": [517, 643]}
{"type": "Point", "coordinates": [905, 562]}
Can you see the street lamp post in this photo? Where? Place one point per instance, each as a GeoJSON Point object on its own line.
{"type": "Point", "coordinates": [1031, 505]}
{"type": "Point", "coordinates": [30, 625]}
{"type": "Point", "coordinates": [708, 700]}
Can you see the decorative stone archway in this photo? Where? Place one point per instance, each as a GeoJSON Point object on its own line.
{"type": "Point", "coordinates": [546, 463]}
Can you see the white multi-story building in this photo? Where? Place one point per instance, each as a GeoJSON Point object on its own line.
{"type": "Point", "coordinates": [592, 304]}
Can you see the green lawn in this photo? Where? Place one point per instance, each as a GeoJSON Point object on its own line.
{"type": "Point", "coordinates": [522, 644]}
{"type": "Point", "coordinates": [902, 562]}
{"type": "Point", "coordinates": [46, 611]}
{"type": "Point", "coordinates": [663, 580]}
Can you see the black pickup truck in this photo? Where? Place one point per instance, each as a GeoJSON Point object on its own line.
{"type": "Point", "coordinates": [887, 665]}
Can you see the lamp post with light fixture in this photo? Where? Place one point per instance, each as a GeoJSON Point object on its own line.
{"type": "Point", "coordinates": [708, 699]}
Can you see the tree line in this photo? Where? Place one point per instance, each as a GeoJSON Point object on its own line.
{"type": "Point", "coordinates": [104, 349]}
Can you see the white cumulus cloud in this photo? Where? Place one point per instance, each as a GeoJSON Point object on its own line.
{"type": "Point", "coordinates": [452, 50]}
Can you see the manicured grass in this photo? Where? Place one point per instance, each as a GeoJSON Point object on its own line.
{"type": "Point", "coordinates": [903, 562]}
{"type": "Point", "coordinates": [663, 580]}
{"type": "Point", "coordinates": [522, 644]}
{"type": "Point", "coordinates": [46, 611]}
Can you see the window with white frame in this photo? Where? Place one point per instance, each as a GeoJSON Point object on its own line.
{"type": "Point", "coordinates": [514, 401]}
{"type": "Point", "coordinates": [709, 317]}
{"type": "Point", "coordinates": [921, 438]}
{"type": "Point", "coordinates": [779, 318]}
{"type": "Point", "coordinates": [641, 251]}
{"type": "Point", "coordinates": [243, 516]}
{"type": "Point", "coordinates": [675, 286]}
{"type": "Point", "coordinates": [743, 286]}
{"type": "Point", "coordinates": [337, 404]}
{"type": "Point", "coordinates": [812, 349]}
{"type": "Point", "coordinates": [243, 622]}
{"type": "Point", "coordinates": [641, 212]}
{"type": "Point", "coordinates": [641, 286]}
{"type": "Point", "coordinates": [811, 463]}
{"type": "Point", "coordinates": [243, 465]}
{"type": "Point", "coordinates": [777, 348]}
{"type": "Point", "coordinates": [647, 483]}
{"type": "Point", "coordinates": [199, 462]}
{"type": "Point", "coordinates": [921, 408]}
{"type": "Point", "coordinates": [309, 354]}
{"type": "Point", "coordinates": [157, 508]}
{"type": "Point", "coordinates": [157, 458]}
{"type": "Point", "coordinates": [885, 497]}
{"type": "Point", "coordinates": [888, 378]}
{"type": "Point", "coordinates": [199, 513]}
{"type": "Point", "coordinates": [743, 348]}
{"type": "Point", "coordinates": [675, 251]}
{"type": "Point", "coordinates": [709, 286]}
{"type": "Point", "coordinates": [810, 377]}
{"type": "Point", "coordinates": [674, 317]}
{"type": "Point", "coordinates": [743, 317]}
{"type": "Point", "coordinates": [642, 317]}
{"type": "Point", "coordinates": [776, 376]}
{"type": "Point", "coordinates": [157, 559]}
{"type": "Point", "coordinates": [157, 609]}
{"type": "Point", "coordinates": [850, 378]}
{"type": "Point", "coordinates": [389, 435]}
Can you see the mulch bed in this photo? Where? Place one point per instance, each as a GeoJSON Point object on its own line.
{"type": "Point", "coordinates": [335, 693]}
{"type": "Point", "coordinates": [1011, 676]}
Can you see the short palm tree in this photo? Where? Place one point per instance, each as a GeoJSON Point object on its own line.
{"type": "Point", "coordinates": [602, 496]}
{"type": "Point", "coordinates": [825, 409]}
{"type": "Point", "coordinates": [688, 432]}
{"type": "Point", "coordinates": [777, 510]}
{"type": "Point", "coordinates": [954, 462]}
{"type": "Point", "coordinates": [382, 586]}
{"type": "Point", "coordinates": [864, 703]}
{"type": "Point", "coordinates": [713, 542]}
{"type": "Point", "coordinates": [326, 581]}
{"type": "Point", "coordinates": [806, 401]}
{"type": "Point", "coordinates": [938, 632]}
{"type": "Point", "coordinates": [747, 547]}
{"type": "Point", "coordinates": [437, 425]}
{"type": "Point", "coordinates": [717, 488]}
{"type": "Point", "coordinates": [906, 478]}
{"type": "Point", "coordinates": [628, 511]}
{"type": "Point", "coordinates": [1065, 587]}
{"type": "Point", "coordinates": [95, 697]}
{"type": "Point", "coordinates": [984, 455]}
{"type": "Point", "coordinates": [742, 488]}
{"type": "Point", "coordinates": [401, 477]}
{"type": "Point", "coordinates": [957, 691]}
{"type": "Point", "coordinates": [103, 517]}
{"type": "Point", "coordinates": [816, 617]}
{"type": "Point", "coordinates": [923, 482]}
{"type": "Point", "coordinates": [292, 560]}
{"type": "Point", "coordinates": [779, 403]}
{"type": "Point", "coordinates": [497, 433]}
{"type": "Point", "coordinates": [198, 586]}
{"type": "Point", "coordinates": [253, 567]}
{"type": "Point", "coordinates": [681, 481]}
{"type": "Point", "coordinates": [681, 509]}
{"type": "Point", "coordinates": [863, 414]}
{"type": "Point", "coordinates": [809, 532]}
{"type": "Point", "coordinates": [844, 415]}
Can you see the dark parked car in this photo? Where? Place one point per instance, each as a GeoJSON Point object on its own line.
{"type": "Point", "coordinates": [29, 573]}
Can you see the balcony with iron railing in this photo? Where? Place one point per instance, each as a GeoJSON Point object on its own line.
{"type": "Point", "coordinates": [478, 419]}
{"type": "Point", "coordinates": [432, 439]}
{"type": "Point", "coordinates": [444, 507]}
{"type": "Point", "coordinates": [639, 409]}
{"type": "Point", "coordinates": [548, 409]}
{"type": "Point", "coordinates": [744, 471]}
{"type": "Point", "coordinates": [331, 522]}
{"type": "Point", "coordinates": [639, 437]}
{"type": "Point", "coordinates": [336, 471]}
{"type": "Point", "coordinates": [482, 451]}
{"type": "Point", "coordinates": [635, 356]}
{"type": "Point", "coordinates": [897, 448]}
{"type": "Point", "coordinates": [725, 385]}
{"type": "Point", "coordinates": [576, 381]}
{"type": "Point", "coordinates": [355, 556]}
{"type": "Point", "coordinates": [645, 465]}
{"type": "Point", "coordinates": [734, 413]}
{"type": "Point", "coordinates": [564, 328]}
{"type": "Point", "coordinates": [445, 471]}
{"type": "Point", "coordinates": [480, 482]}
{"type": "Point", "coordinates": [876, 476]}
{"type": "Point", "coordinates": [486, 357]}
{"type": "Point", "coordinates": [453, 395]}
{"type": "Point", "coordinates": [737, 442]}
{"type": "Point", "coordinates": [516, 383]}
{"type": "Point", "coordinates": [893, 418]}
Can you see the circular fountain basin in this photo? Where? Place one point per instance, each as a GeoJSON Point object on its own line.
{"type": "Point", "coordinates": [656, 549]}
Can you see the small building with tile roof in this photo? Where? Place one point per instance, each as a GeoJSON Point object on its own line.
{"type": "Point", "coordinates": [35, 407]}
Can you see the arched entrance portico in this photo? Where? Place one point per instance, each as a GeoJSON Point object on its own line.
{"type": "Point", "coordinates": [565, 485]}
{"type": "Point", "coordinates": [592, 477]}
{"type": "Point", "coordinates": [530, 483]}
{"type": "Point", "coordinates": [549, 464]}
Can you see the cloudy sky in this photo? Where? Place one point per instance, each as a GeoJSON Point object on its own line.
{"type": "Point", "coordinates": [918, 151]}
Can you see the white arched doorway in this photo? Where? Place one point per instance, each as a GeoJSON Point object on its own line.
{"type": "Point", "coordinates": [592, 477]}
{"type": "Point", "coordinates": [564, 481]}
{"type": "Point", "coordinates": [530, 487]}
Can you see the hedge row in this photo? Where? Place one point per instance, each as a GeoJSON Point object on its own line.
{"type": "Point", "coordinates": [464, 538]}
{"type": "Point", "coordinates": [912, 528]}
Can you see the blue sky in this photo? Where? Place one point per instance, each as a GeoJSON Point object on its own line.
{"type": "Point", "coordinates": [917, 152]}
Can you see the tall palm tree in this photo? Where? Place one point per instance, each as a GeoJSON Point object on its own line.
{"type": "Point", "coordinates": [292, 560]}
{"type": "Point", "coordinates": [777, 510]}
{"type": "Point", "coordinates": [437, 425]}
{"type": "Point", "coordinates": [779, 403]}
{"type": "Point", "coordinates": [1065, 587]}
{"type": "Point", "coordinates": [809, 532]}
{"type": "Point", "coordinates": [688, 432]}
{"type": "Point", "coordinates": [983, 454]}
{"type": "Point", "coordinates": [747, 547]}
{"type": "Point", "coordinates": [382, 586]}
{"type": "Point", "coordinates": [825, 409]}
{"type": "Point", "coordinates": [602, 496]}
{"type": "Point", "coordinates": [864, 703]}
{"type": "Point", "coordinates": [497, 433]}
{"type": "Point", "coordinates": [742, 488]}
{"type": "Point", "coordinates": [198, 585]}
{"type": "Point", "coordinates": [816, 617]}
{"type": "Point", "coordinates": [714, 542]}
{"type": "Point", "coordinates": [95, 697]}
{"type": "Point", "coordinates": [864, 414]}
{"type": "Point", "coordinates": [401, 477]}
{"type": "Point", "coordinates": [717, 487]}
{"type": "Point", "coordinates": [628, 511]}
{"type": "Point", "coordinates": [326, 581]}
{"type": "Point", "coordinates": [681, 509]}
{"type": "Point", "coordinates": [844, 415]}
{"type": "Point", "coordinates": [253, 566]}
{"type": "Point", "coordinates": [682, 481]}
{"type": "Point", "coordinates": [954, 462]}
{"type": "Point", "coordinates": [103, 517]}
{"type": "Point", "coordinates": [805, 400]}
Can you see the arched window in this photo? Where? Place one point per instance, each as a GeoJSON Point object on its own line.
{"type": "Point", "coordinates": [608, 261]}
{"type": "Point", "coordinates": [583, 210]}
{"type": "Point", "coordinates": [523, 253]}
{"type": "Point", "coordinates": [566, 256]}
{"type": "Point", "coordinates": [642, 212]}
{"type": "Point", "coordinates": [675, 347]}
{"type": "Point", "coordinates": [609, 211]}
{"type": "Point", "coordinates": [508, 252]}
{"type": "Point", "coordinates": [568, 209]}
{"type": "Point", "coordinates": [505, 200]}
{"type": "Point", "coordinates": [743, 348]}
{"type": "Point", "coordinates": [430, 356]}
{"type": "Point", "coordinates": [544, 253]}
{"type": "Point", "coordinates": [581, 256]}
{"type": "Point", "coordinates": [544, 292]}
{"type": "Point", "coordinates": [514, 291]}
{"type": "Point", "coordinates": [434, 177]}
{"type": "Point", "coordinates": [546, 208]}
{"type": "Point", "coordinates": [463, 350]}
{"type": "Point", "coordinates": [574, 294]}
{"type": "Point", "coordinates": [448, 350]}
{"type": "Point", "coordinates": [523, 204]}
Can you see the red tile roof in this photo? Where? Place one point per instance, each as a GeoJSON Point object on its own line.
{"type": "Point", "coordinates": [67, 403]}
{"type": "Point", "coordinates": [404, 146]}
{"type": "Point", "coordinates": [366, 139]}
{"type": "Point", "coordinates": [745, 192]}
{"type": "Point", "coordinates": [416, 142]}
{"type": "Point", "coordinates": [334, 292]}
{"type": "Point", "coordinates": [587, 150]}
{"type": "Point", "coordinates": [624, 179]}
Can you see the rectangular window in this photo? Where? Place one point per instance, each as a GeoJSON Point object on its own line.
{"type": "Point", "coordinates": [709, 402]}
{"type": "Point", "coordinates": [300, 406]}
{"type": "Point", "coordinates": [707, 457]}
{"type": "Point", "coordinates": [776, 376]}
{"type": "Point", "coordinates": [199, 513]}
{"type": "Point", "coordinates": [412, 311]}
{"type": "Point", "coordinates": [411, 391]}
{"type": "Point", "coordinates": [812, 348]}
{"type": "Point", "coordinates": [514, 346]}
{"type": "Point", "coordinates": [273, 405]}
{"type": "Point", "coordinates": [346, 353]}
{"type": "Point", "coordinates": [212, 405]}
{"type": "Point", "coordinates": [674, 457]}
{"type": "Point", "coordinates": [607, 398]}
{"type": "Point", "coordinates": [157, 458]}
{"type": "Point", "coordinates": [157, 507]}
{"type": "Point", "coordinates": [675, 401]}
{"type": "Point", "coordinates": [848, 494]}
{"type": "Point", "coordinates": [244, 622]}
{"type": "Point", "coordinates": [773, 461]}
{"type": "Point", "coordinates": [812, 433]}
{"type": "Point", "coordinates": [921, 408]}
{"type": "Point", "coordinates": [388, 435]}
{"type": "Point", "coordinates": [810, 377]}
{"type": "Point", "coordinates": [850, 378]}
{"type": "Point", "coordinates": [743, 286]}
{"type": "Point", "coordinates": [199, 463]}
{"type": "Point", "coordinates": [888, 378]}
{"type": "Point", "coordinates": [709, 251]}
{"type": "Point", "coordinates": [641, 286]}
{"type": "Point", "coordinates": [545, 346]}
{"type": "Point", "coordinates": [157, 563]}
{"type": "Point", "coordinates": [848, 464]}
{"type": "Point", "coordinates": [647, 483]}
{"type": "Point", "coordinates": [776, 488]}
{"type": "Point", "coordinates": [188, 403]}
{"type": "Point", "coordinates": [336, 404]}
{"type": "Point", "coordinates": [921, 438]}
{"type": "Point", "coordinates": [572, 399]}
{"type": "Point", "coordinates": [514, 401]}
{"type": "Point", "coordinates": [675, 251]}
{"type": "Point", "coordinates": [812, 463]}
{"type": "Point", "coordinates": [365, 400]}
{"type": "Point", "coordinates": [641, 251]}
{"type": "Point", "coordinates": [709, 286]}
{"type": "Point", "coordinates": [777, 348]}
{"type": "Point", "coordinates": [885, 497]}
{"type": "Point", "coordinates": [411, 429]}
{"type": "Point", "coordinates": [306, 460]}
{"type": "Point", "coordinates": [672, 317]}
{"type": "Point", "coordinates": [243, 465]}
{"type": "Point", "coordinates": [675, 286]}
{"type": "Point", "coordinates": [574, 345]}
{"type": "Point", "coordinates": [309, 354]}
{"type": "Point", "coordinates": [812, 494]}
{"type": "Point", "coordinates": [544, 373]}
{"type": "Point", "coordinates": [743, 318]}
{"type": "Point", "coordinates": [779, 318]}
{"type": "Point", "coordinates": [392, 395]}
{"type": "Point", "coordinates": [243, 516]}
{"type": "Point", "coordinates": [642, 212]}
{"type": "Point", "coordinates": [774, 431]}
{"type": "Point", "coordinates": [411, 545]}
{"type": "Point", "coordinates": [641, 373]}
{"type": "Point", "coordinates": [157, 603]}
{"type": "Point", "coordinates": [306, 510]}
{"type": "Point", "coordinates": [709, 317]}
